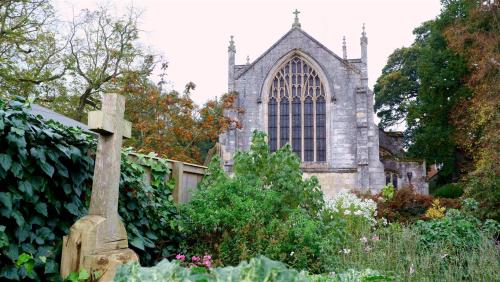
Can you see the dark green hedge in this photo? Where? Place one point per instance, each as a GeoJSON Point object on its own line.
{"type": "Point", "coordinates": [45, 175]}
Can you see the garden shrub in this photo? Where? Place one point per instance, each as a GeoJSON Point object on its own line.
{"type": "Point", "coordinates": [45, 179]}
{"type": "Point", "coordinates": [484, 186]}
{"type": "Point", "coordinates": [257, 269]}
{"type": "Point", "coordinates": [451, 190]}
{"type": "Point", "coordinates": [406, 206]}
{"type": "Point", "coordinates": [457, 230]}
{"type": "Point", "coordinates": [265, 208]}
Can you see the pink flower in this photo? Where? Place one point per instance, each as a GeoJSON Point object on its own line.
{"type": "Point", "coordinates": [364, 240]}
{"type": "Point", "coordinates": [180, 257]}
{"type": "Point", "coordinates": [376, 238]}
{"type": "Point", "coordinates": [207, 263]}
{"type": "Point", "coordinates": [368, 249]}
{"type": "Point", "coordinates": [207, 257]}
{"type": "Point", "coordinates": [195, 259]}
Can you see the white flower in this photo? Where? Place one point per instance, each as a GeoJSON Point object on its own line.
{"type": "Point", "coordinates": [363, 239]}
{"type": "Point", "coordinates": [348, 203]}
{"type": "Point", "coordinates": [291, 254]}
{"type": "Point", "coordinates": [345, 251]}
{"type": "Point", "coordinates": [412, 269]}
{"type": "Point", "coordinates": [384, 221]}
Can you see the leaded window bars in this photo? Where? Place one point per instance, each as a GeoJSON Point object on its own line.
{"type": "Point", "coordinates": [297, 111]}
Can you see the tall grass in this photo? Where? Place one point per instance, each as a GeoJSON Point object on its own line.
{"type": "Point", "coordinates": [399, 253]}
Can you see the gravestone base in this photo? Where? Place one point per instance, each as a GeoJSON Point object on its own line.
{"type": "Point", "coordinates": [106, 263]}
{"type": "Point", "coordinates": [85, 248]}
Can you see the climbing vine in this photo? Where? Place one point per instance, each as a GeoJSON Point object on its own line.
{"type": "Point", "coordinates": [45, 182]}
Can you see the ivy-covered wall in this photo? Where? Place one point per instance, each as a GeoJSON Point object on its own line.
{"type": "Point", "coordinates": [45, 180]}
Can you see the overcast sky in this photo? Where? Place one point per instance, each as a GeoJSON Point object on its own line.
{"type": "Point", "coordinates": [193, 35]}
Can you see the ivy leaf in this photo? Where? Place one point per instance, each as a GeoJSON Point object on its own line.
{"type": "Point", "coordinates": [25, 186]}
{"type": "Point", "coordinates": [138, 243]}
{"type": "Point", "coordinates": [41, 208]}
{"type": "Point", "coordinates": [72, 208]}
{"type": "Point", "coordinates": [19, 141]}
{"type": "Point", "coordinates": [51, 267]}
{"type": "Point", "coordinates": [38, 153]}
{"type": "Point", "coordinates": [18, 217]}
{"type": "Point", "coordinates": [62, 170]}
{"type": "Point", "coordinates": [5, 161]}
{"type": "Point", "coordinates": [47, 168]}
{"type": "Point", "coordinates": [23, 258]}
{"type": "Point", "coordinates": [67, 188]}
{"type": "Point", "coordinates": [6, 200]}
{"type": "Point", "coordinates": [83, 275]}
{"type": "Point", "coordinates": [17, 170]}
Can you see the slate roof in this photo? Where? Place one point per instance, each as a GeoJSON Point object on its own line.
{"type": "Point", "coordinates": [345, 62]}
{"type": "Point", "coordinates": [48, 114]}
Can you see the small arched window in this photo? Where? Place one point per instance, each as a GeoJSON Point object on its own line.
{"type": "Point", "coordinates": [297, 111]}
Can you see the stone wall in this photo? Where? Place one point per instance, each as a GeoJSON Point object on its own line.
{"type": "Point", "coordinates": [334, 182]}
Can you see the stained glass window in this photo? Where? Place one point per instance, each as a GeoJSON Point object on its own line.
{"type": "Point", "coordinates": [297, 126]}
{"type": "Point", "coordinates": [272, 125]}
{"type": "Point", "coordinates": [297, 111]}
{"type": "Point", "coordinates": [320, 130]}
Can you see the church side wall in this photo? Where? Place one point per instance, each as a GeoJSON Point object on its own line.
{"type": "Point", "coordinates": [335, 182]}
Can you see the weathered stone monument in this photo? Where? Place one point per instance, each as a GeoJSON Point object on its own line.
{"type": "Point", "coordinates": [98, 242]}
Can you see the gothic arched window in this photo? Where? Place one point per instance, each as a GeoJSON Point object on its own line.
{"type": "Point", "coordinates": [297, 111]}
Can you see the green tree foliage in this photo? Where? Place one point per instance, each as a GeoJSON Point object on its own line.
{"type": "Point", "coordinates": [266, 208]}
{"type": "Point", "coordinates": [45, 176]}
{"type": "Point", "coordinates": [444, 87]}
{"type": "Point", "coordinates": [420, 85]}
{"type": "Point", "coordinates": [476, 38]}
{"type": "Point", "coordinates": [31, 49]}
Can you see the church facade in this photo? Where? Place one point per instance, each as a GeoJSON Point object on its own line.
{"type": "Point", "coordinates": [301, 93]}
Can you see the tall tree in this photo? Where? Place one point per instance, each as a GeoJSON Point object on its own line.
{"type": "Point", "coordinates": [170, 123]}
{"type": "Point", "coordinates": [32, 51]}
{"type": "Point", "coordinates": [420, 85]}
{"type": "Point", "coordinates": [103, 49]}
{"type": "Point", "coordinates": [476, 37]}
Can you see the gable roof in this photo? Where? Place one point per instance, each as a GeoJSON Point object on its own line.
{"type": "Point", "coordinates": [345, 62]}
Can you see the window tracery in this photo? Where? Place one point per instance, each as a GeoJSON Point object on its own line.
{"type": "Point", "coordinates": [297, 111]}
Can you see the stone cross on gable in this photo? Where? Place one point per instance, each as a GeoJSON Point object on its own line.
{"type": "Point", "coordinates": [296, 23]}
{"type": "Point", "coordinates": [111, 126]}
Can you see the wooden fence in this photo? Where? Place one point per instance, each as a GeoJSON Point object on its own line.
{"type": "Point", "coordinates": [186, 177]}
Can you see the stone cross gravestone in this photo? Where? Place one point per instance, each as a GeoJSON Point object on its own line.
{"type": "Point", "coordinates": [98, 242]}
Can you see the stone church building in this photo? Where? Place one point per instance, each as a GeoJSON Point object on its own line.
{"type": "Point", "coordinates": [301, 93]}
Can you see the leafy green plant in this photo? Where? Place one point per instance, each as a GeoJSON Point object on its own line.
{"type": "Point", "coordinates": [26, 261]}
{"type": "Point", "coordinates": [256, 269]}
{"type": "Point", "coordinates": [79, 276]}
{"type": "Point", "coordinates": [458, 229]}
{"type": "Point", "coordinates": [266, 208]}
{"type": "Point", "coordinates": [388, 191]}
